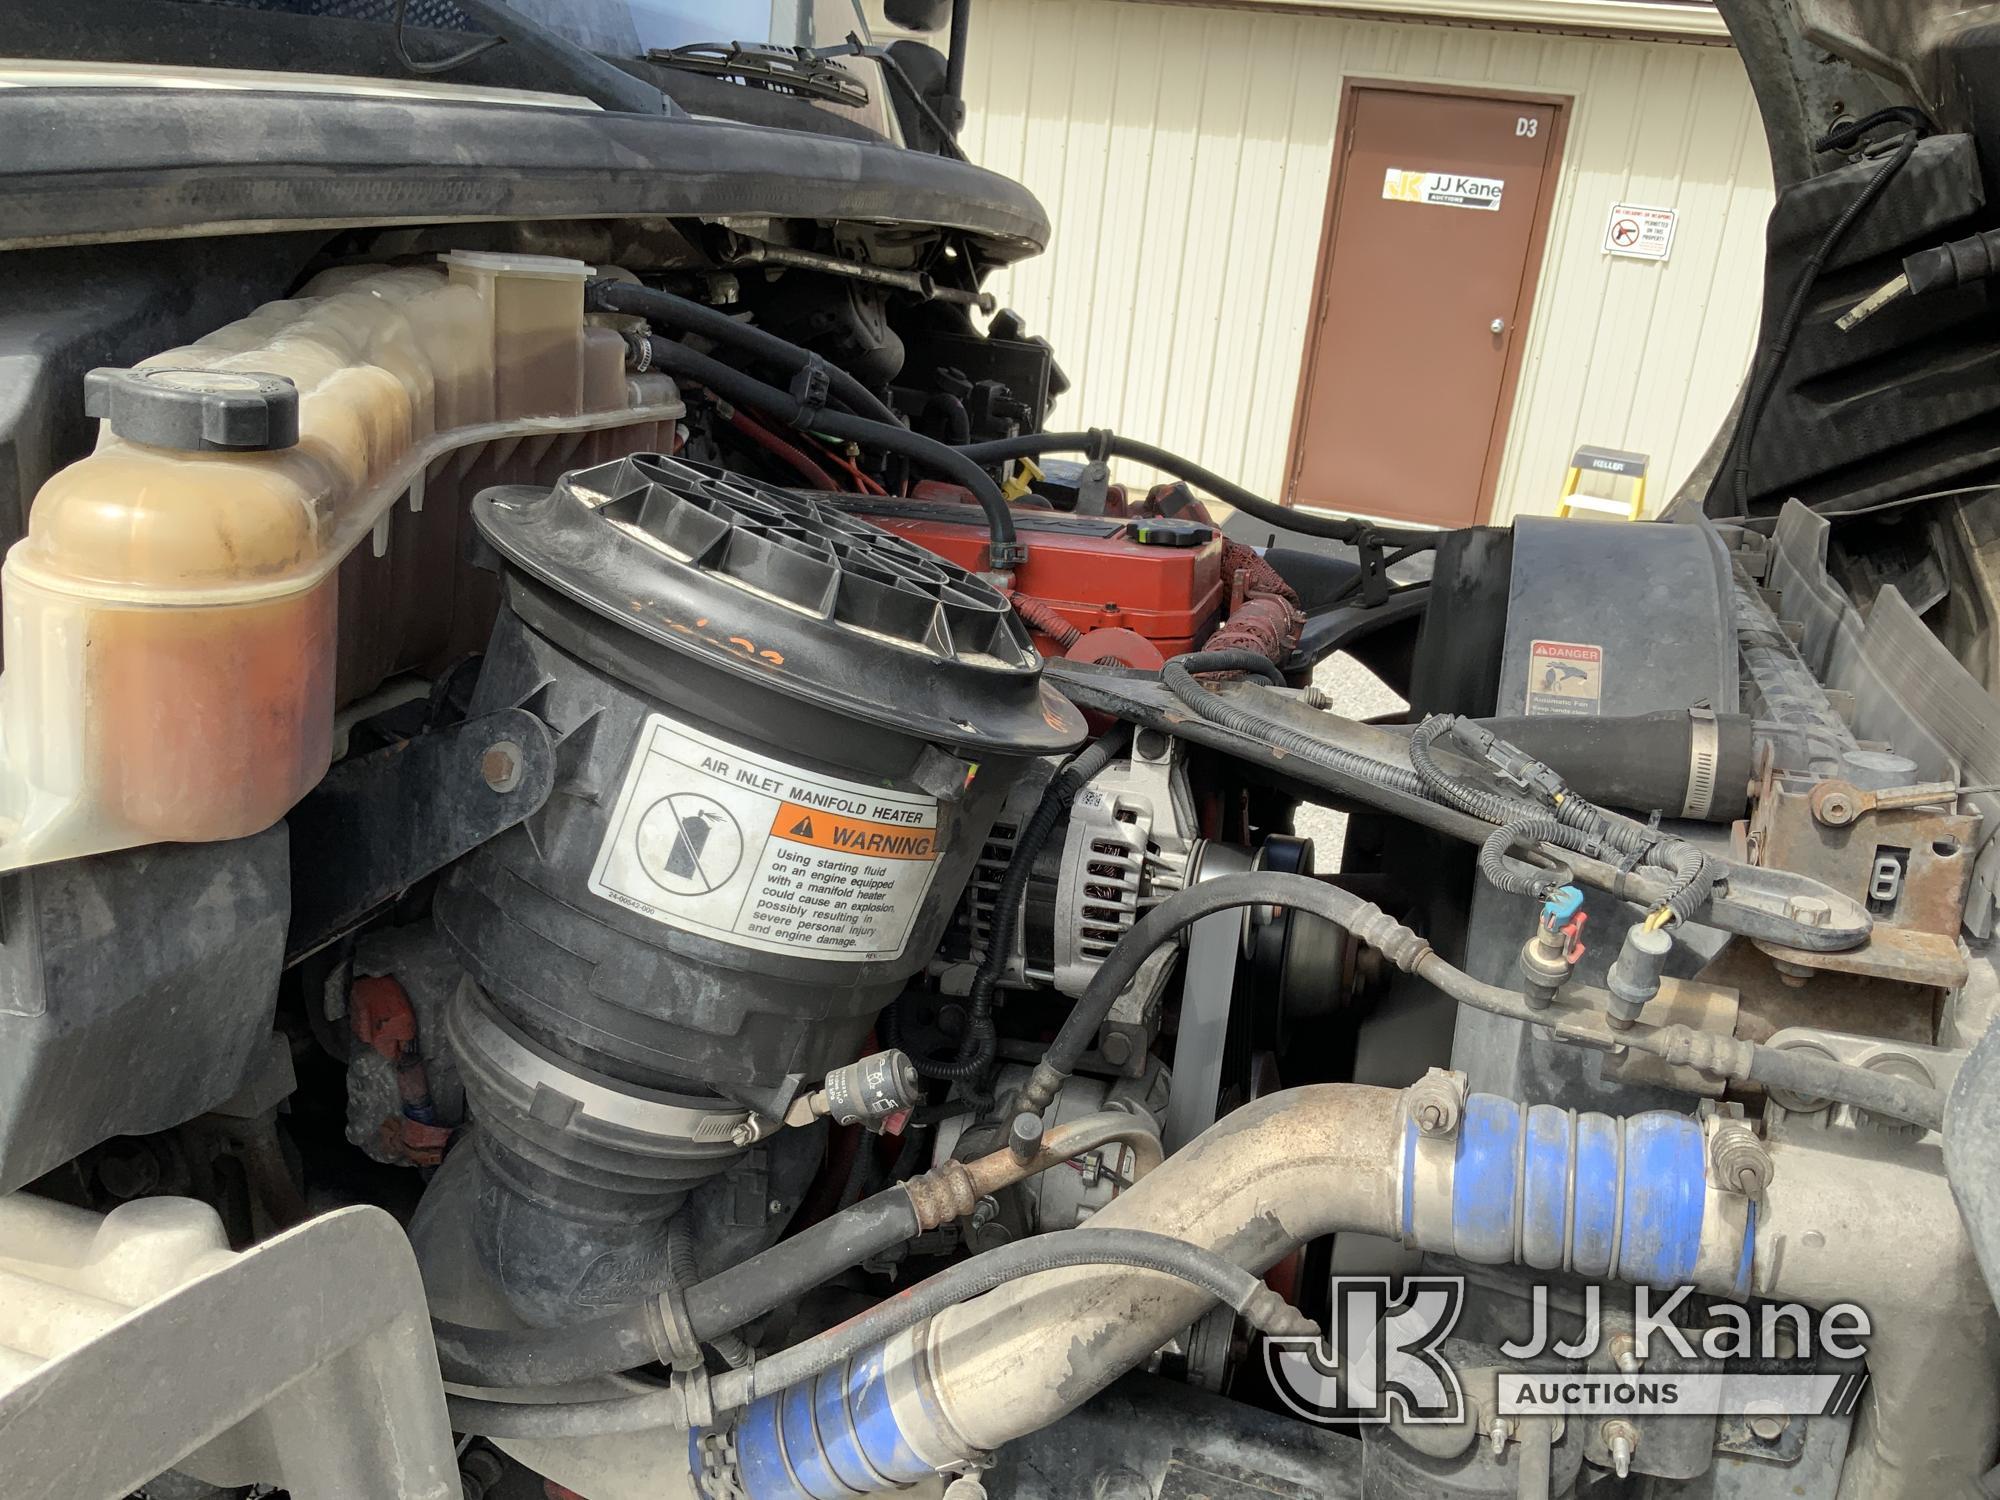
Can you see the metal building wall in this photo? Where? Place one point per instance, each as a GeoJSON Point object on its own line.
{"type": "Point", "coordinates": [1183, 153]}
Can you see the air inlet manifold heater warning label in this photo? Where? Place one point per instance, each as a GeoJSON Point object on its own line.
{"type": "Point", "coordinates": [738, 846]}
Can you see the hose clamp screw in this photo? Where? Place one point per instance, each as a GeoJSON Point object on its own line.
{"type": "Point", "coordinates": [1739, 1161]}
{"type": "Point", "coordinates": [1436, 1102]}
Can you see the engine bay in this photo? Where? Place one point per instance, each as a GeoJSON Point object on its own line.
{"type": "Point", "coordinates": [623, 876]}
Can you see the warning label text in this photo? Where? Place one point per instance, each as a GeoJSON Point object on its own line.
{"type": "Point", "coordinates": [733, 844]}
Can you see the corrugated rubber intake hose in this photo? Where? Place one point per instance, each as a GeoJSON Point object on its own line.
{"type": "Point", "coordinates": [678, 360]}
{"type": "Point", "coordinates": [507, 1358]}
{"type": "Point", "coordinates": [1284, 517]}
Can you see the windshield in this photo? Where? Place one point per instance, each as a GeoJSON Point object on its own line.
{"type": "Point", "coordinates": [658, 25]}
{"type": "Point", "coordinates": [622, 28]}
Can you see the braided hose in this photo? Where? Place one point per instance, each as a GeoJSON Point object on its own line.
{"type": "Point", "coordinates": [1039, 614]}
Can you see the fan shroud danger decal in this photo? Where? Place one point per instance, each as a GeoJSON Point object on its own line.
{"type": "Point", "coordinates": [735, 845]}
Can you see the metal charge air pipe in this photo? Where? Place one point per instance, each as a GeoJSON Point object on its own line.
{"type": "Point", "coordinates": [1627, 1199]}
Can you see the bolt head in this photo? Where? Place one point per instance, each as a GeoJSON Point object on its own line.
{"type": "Point", "coordinates": [1117, 1048]}
{"type": "Point", "coordinates": [1767, 1429]}
{"type": "Point", "coordinates": [501, 766]}
{"type": "Point", "coordinates": [744, 1134]}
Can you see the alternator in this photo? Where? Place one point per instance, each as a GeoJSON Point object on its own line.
{"type": "Point", "coordinates": [1125, 843]}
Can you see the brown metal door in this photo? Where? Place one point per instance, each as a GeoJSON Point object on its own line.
{"type": "Point", "coordinates": [1434, 233]}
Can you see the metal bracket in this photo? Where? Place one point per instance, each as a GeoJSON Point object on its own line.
{"type": "Point", "coordinates": [383, 821]}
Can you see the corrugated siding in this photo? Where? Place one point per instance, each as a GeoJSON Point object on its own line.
{"type": "Point", "coordinates": [1183, 153]}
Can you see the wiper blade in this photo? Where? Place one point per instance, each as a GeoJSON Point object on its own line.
{"type": "Point", "coordinates": [785, 70]}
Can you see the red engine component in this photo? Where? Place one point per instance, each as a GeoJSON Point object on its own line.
{"type": "Point", "coordinates": [1133, 588]}
{"type": "Point", "coordinates": [1163, 580]}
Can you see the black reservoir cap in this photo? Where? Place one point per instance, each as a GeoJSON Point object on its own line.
{"type": "Point", "coordinates": [196, 411]}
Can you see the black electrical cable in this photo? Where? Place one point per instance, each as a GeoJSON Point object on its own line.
{"type": "Point", "coordinates": [1765, 375]}
{"type": "Point", "coordinates": [1304, 523]}
{"type": "Point", "coordinates": [688, 316]}
{"type": "Point", "coordinates": [677, 359]}
{"type": "Point", "coordinates": [1572, 822]}
{"type": "Point", "coordinates": [1477, 802]}
{"type": "Point", "coordinates": [1879, 1093]}
{"type": "Point", "coordinates": [1501, 876]}
{"type": "Point", "coordinates": [1137, 1249]}
{"type": "Point", "coordinates": [1575, 823]}
{"type": "Point", "coordinates": [1230, 659]}
{"type": "Point", "coordinates": [982, 1040]}
{"type": "Point", "coordinates": [437, 64]}
{"type": "Point", "coordinates": [1179, 677]}
{"type": "Point", "coordinates": [686, 1274]}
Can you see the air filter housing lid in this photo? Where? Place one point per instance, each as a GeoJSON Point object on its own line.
{"type": "Point", "coordinates": [788, 594]}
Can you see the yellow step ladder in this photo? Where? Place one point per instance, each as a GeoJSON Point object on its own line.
{"type": "Point", "coordinates": [1617, 490]}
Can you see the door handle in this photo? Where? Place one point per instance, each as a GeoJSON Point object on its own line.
{"type": "Point", "coordinates": [1499, 325]}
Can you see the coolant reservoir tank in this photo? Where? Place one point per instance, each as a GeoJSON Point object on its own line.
{"type": "Point", "coordinates": [173, 643]}
{"type": "Point", "coordinates": [536, 303]}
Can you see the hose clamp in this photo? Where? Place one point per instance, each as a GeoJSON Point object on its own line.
{"type": "Point", "coordinates": [720, 1476]}
{"type": "Point", "coordinates": [811, 388]}
{"type": "Point", "coordinates": [1704, 758]}
{"type": "Point", "coordinates": [671, 1332]}
{"type": "Point", "coordinates": [1097, 445]}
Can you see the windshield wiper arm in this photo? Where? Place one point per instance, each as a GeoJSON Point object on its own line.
{"type": "Point", "coordinates": [793, 70]}
{"type": "Point", "coordinates": [582, 71]}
